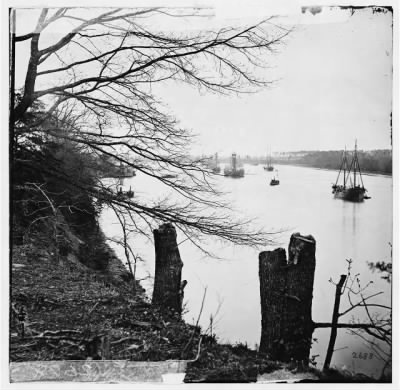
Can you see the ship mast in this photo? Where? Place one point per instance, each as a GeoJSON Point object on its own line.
{"type": "Point", "coordinates": [234, 161]}
{"type": "Point", "coordinates": [354, 167]}
{"type": "Point", "coordinates": [357, 166]}
{"type": "Point", "coordinates": [355, 159]}
{"type": "Point", "coordinates": [344, 167]}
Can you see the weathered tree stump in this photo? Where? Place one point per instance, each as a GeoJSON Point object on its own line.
{"type": "Point", "coordinates": [168, 273]}
{"type": "Point", "coordinates": [286, 289]}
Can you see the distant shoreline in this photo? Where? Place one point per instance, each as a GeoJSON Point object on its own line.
{"type": "Point", "coordinates": [368, 173]}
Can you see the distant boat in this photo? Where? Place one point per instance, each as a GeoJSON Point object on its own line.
{"type": "Point", "coordinates": [128, 194]}
{"type": "Point", "coordinates": [169, 176]}
{"type": "Point", "coordinates": [269, 167]}
{"type": "Point", "coordinates": [275, 180]}
{"type": "Point", "coordinates": [234, 170]}
{"type": "Point", "coordinates": [215, 167]}
{"type": "Point", "coordinates": [350, 190]}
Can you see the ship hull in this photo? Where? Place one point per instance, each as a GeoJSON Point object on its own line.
{"type": "Point", "coordinates": [234, 173]}
{"type": "Point", "coordinates": [356, 194]}
{"type": "Point", "coordinates": [216, 170]}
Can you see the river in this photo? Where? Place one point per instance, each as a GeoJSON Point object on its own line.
{"type": "Point", "coordinates": [301, 203]}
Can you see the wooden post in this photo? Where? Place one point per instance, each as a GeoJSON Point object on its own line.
{"type": "Point", "coordinates": [286, 288]}
{"type": "Point", "coordinates": [168, 272]}
{"type": "Point", "coordinates": [335, 318]}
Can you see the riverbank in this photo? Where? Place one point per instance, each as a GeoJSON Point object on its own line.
{"type": "Point", "coordinates": [369, 173]}
{"type": "Point", "coordinates": [61, 309]}
{"type": "Point", "coordinates": [370, 161]}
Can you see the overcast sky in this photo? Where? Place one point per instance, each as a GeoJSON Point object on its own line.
{"type": "Point", "coordinates": [333, 85]}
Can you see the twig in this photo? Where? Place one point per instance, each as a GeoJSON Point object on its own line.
{"type": "Point", "coordinates": [92, 309]}
{"type": "Point", "coordinates": [57, 332]}
{"type": "Point", "coordinates": [197, 322]}
{"type": "Point", "coordinates": [362, 303]}
{"type": "Point", "coordinates": [120, 341]}
{"type": "Point", "coordinates": [198, 351]}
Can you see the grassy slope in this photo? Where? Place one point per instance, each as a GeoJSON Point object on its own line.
{"type": "Point", "coordinates": [67, 296]}
{"type": "Point", "coordinates": [69, 308]}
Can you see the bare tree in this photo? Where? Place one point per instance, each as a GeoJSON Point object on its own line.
{"type": "Point", "coordinates": [94, 86]}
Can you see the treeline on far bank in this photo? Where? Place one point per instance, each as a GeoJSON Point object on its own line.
{"type": "Point", "coordinates": [372, 161]}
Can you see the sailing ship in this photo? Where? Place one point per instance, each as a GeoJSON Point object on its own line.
{"type": "Point", "coordinates": [234, 170]}
{"type": "Point", "coordinates": [350, 189]}
{"type": "Point", "coordinates": [269, 167]}
{"type": "Point", "coordinates": [275, 180]}
{"type": "Point", "coordinates": [216, 168]}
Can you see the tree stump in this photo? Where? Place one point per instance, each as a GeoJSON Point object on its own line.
{"type": "Point", "coordinates": [168, 272]}
{"type": "Point", "coordinates": [286, 289]}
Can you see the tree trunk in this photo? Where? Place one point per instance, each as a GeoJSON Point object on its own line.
{"type": "Point", "coordinates": [11, 121]}
{"type": "Point", "coordinates": [286, 289]}
{"type": "Point", "coordinates": [28, 95]}
{"type": "Point", "coordinates": [168, 272]}
{"type": "Point", "coordinates": [272, 289]}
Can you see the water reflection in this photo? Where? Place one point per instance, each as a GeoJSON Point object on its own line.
{"type": "Point", "coordinates": [354, 218]}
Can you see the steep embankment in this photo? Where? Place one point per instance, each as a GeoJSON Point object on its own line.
{"type": "Point", "coordinates": [65, 306]}
{"type": "Point", "coordinates": [64, 309]}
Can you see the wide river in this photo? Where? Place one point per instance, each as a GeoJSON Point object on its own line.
{"type": "Point", "coordinates": [303, 203]}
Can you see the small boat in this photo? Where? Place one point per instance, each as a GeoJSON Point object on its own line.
{"type": "Point", "coordinates": [350, 189]}
{"type": "Point", "coordinates": [128, 194]}
{"type": "Point", "coordinates": [234, 170]}
{"type": "Point", "coordinates": [275, 180]}
{"type": "Point", "coordinates": [169, 176]}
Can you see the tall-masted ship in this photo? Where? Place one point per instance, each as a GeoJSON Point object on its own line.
{"type": "Point", "coordinates": [234, 170]}
{"type": "Point", "coordinates": [350, 189]}
{"type": "Point", "coordinates": [269, 167]}
{"type": "Point", "coordinates": [215, 165]}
